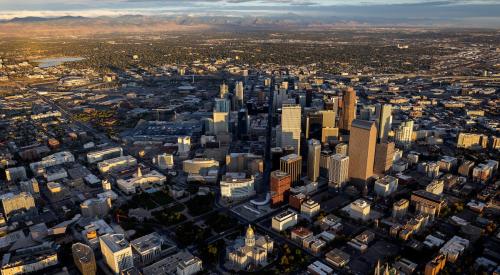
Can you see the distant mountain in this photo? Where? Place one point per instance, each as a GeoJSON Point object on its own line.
{"type": "Point", "coordinates": [31, 19]}
{"type": "Point", "coordinates": [79, 25]}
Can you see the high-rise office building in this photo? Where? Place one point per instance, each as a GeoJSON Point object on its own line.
{"type": "Point", "coordinates": [183, 144]}
{"type": "Point", "coordinates": [338, 175]}
{"type": "Point", "coordinates": [328, 118]}
{"type": "Point", "coordinates": [403, 135]}
{"type": "Point", "coordinates": [348, 109]}
{"type": "Point", "coordinates": [384, 120]}
{"type": "Point", "coordinates": [117, 252]}
{"type": "Point", "coordinates": [332, 104]}
{"type": "Point", "coordinates": [279, 96]}
{"type": "Point", "coordinates": [314, 125]}
{"type": "Point", "coordinates": [313, 157]}
{"type": "Point", "coordinates": [291, 126]}
{"type": "Point", "coordinates": [223, 90]}
{"type": "Point", "coordinates": [239, 92]}
{"type": "Point", "coordinates": [362, 143]}
{"type": "Point", "coordinates": [292, 164]}
{"type": "Point", "coordinates": [243, 123]}
{"type": "Point", "coordinates": [325, 163]}
{"type": "Point", "coordinates": [280, 185]}
{"type": "Point", "coordinates": [84, 259]}
{"type": "Point", "coordinates": [384, 155]}
{"type": "Point", "coordinates": [221, 123]}
{"type": "Point", "coordinates": [222, 105]}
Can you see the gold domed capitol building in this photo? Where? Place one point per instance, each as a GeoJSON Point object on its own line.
{"type": "Point", "coordinates": [250, 251]}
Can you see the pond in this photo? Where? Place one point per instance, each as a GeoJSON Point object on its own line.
{"type": "Point", "coordinates": [51, 62]}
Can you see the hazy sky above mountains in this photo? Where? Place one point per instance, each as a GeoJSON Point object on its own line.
{"type": "Point", "coordinates": [464, 12]}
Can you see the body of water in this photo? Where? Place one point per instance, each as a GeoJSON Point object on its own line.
{"type": "Point", "coordinates": [51, 62]}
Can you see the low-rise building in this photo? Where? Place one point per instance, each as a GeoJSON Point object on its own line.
{"type": "Point", "coordinates": [96, 207]}
{"type": "Point", "coordinates": [148, 247]}
{"type": "Point", "coordinates": [140, 180]}
{"type": "Point", "coordinates": [386, 186]}
{"type": "Point", "coordinates": [309, 208]}
{"type": "Point", "coordinates": [180, 263]}
{"type": "Point", "coordinates": [97, 156]}
{"type": "Point", "coordinates": [14, 202]}
{"type": "Point", "coordinates": [300, 233]}
{"type": "Point", "coordinates": [454, 248]}
{"type": "Point", "coordinates": [284, 220]}
{"type": "Point", "coordinates": [427, 203]}
{"type": "Point", "coordinates": [359, 209]}
{"type": "Point", "coordinates": [337, 258]}
{"type": "Point", "coordinates": [237, 186]}
{"type": "Point", "coordinates": [116, 164]}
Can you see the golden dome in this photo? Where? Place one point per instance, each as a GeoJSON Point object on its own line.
{"type": "Point", "coordinates": [250, 232]}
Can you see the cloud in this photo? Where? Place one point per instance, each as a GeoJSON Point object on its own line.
{"type": "Point", "coordinates": [468, 11]}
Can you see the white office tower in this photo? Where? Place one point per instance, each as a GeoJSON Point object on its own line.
{"type": "Point", "coordinates": [404, 134]}
{"type": "Point", "coordinates": [224, 89]}
{"type": "Point", "coordinates": [338, 175]}
{"type": "Point", "coordinates": [222, 105]}
{"type": "Point", "coordinates": [116, 252]}
{"type": "Point", "coordinates": [239, 91]}
{"type": "Point", "coordinates": [164, 161]}
{"type": "Point", "coordinates": [291, 126]}
{"type": "Point", "coordinates": [183, 145]}
{"type": "Point", "coordinates": [384, 120]}
{"type": "Point", "coordinates": [313, 158]}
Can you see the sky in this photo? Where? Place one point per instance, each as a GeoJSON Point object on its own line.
{"type": "Point", "coordinates": [468, 12]}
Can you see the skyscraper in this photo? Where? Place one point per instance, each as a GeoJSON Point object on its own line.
{"type": "Point", "coordinates": [84, 259]}
{"type": "Point", "coordinates": [338, 175]}
{"type": "Point", "coordinates": [384, 120]}
{"type": "Point", "coordinates": [243, 123]}
{"type": "Point", "coordinates": [404, 134]}
{"type": "Point", "coordinates": [332, 104]}
{"type": "Point", "coordinates": [362, 142]}
{"type": "Point", "coordinates": [313, 156]}
{"type": "Point", "coordinates": [223, 90]}
{"type": "Point", "coordinates": [291, 126]}
{"type": "Point", "coordinates": [239, 92]}
{"type": "Point", "coordinates": [222, 105]}
{"type": "Point", "coordinates": [292, 164]}
{"type": "Point", "coordinates": [349, 109]}
{"type": "Point", "coordinates": [280, 185]}
{"type": "Point", "coordinates": [221, 123]}
{"type": "Point", "coordinates": [384, 153]}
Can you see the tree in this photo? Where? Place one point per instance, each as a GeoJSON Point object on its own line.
{"type": "Point", "coordinates": [284, 261]}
